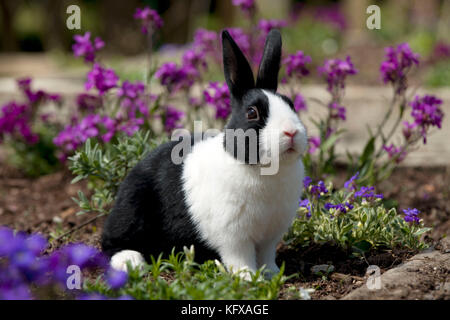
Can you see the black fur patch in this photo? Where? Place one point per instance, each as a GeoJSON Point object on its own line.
{"type": "Point", "coordinates": [150, 214]}
{"type": "Point", "coordinates": [253, 98]}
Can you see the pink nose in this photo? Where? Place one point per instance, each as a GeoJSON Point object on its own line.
{"type": "Point", "coordinates": [291, 133]}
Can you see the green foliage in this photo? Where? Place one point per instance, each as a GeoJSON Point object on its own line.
{"type": "Point", "coordinates": [179, 277]}
{"type": "Point", "coordinates": [105, 168]}
{"type": "Point", "coordinates": [439, 75]}
{"type": "Point", "coordinates": [368, 225]}
{"type": "Point", "coordinates": [35, 159]}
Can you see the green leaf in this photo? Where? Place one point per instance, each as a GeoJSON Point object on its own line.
{"type": "Point", "coordinates": [369, 149]}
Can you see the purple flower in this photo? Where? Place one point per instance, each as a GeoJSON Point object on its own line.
{"type": "Point", "coordinates": [398, 153]}
{"type": "Point", "coordinates": [314, 144]}
{"type": "Point", "coordinates": [101, 78]}
{"type": "Point", "coordinates": [342, 207]}
{"type": "Point", "coordinates": [315, 190]}
{"type": "Point", "coordinates": [307, 182]}
{"type": "Point", "coordinates": [133, 98]}
{"type": "Point", "coordinates": [296, 64]}
{"type": "Point", "coordinates": [367, 193]}
{"type": "Point", "coordinates": [15, 120]}
{"type": "Point", "coordinates": [36, 97]}
{"type": "Point", "coordinates": [218, 96]}
{"type": "Point", "coordinates": [81, 255]}
{"type": "Point", "coordinates": [84, 47]}
{"type": "Point", "coordinates": [131, 126]}
{"type": "Point", "coordinates": [306, 204]}
{"type": "Point", "coordinates": [206, 41]}
{"type": "Point", "coordinates": [116, 279]}
{"type": "Point", "coordinates": [336, 71]}
{"type": "Point", "coordinates": [411, 215]}
{"type": "Point", "coordinates": [195, 59]}
{"type": "Point", "coordinates": [247, 6]}
{"type": "Point", "coordinates": [408, 129]}
{"type": "Point", "coordinates": [172, 118]}
{"type": "Point", "coordinates": [398, 61]}
{"type": "Point", "coordinates": [351, 184]}
{"type": "Point", "coordinates": [174, 77]}
{"type": "Point", "coordinates": [299, 103]}
{"type": "Point", "coordinates": [21, 292]}
{"type": "Point", "coordinates": [337, 111]}
{"type": "Point", "coordinates": [150, 19]}
{"type": "Point", "coordinates": [426, 112]}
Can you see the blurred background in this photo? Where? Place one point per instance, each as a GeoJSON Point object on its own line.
{"type": "Point", "coordinates": [34, 39]}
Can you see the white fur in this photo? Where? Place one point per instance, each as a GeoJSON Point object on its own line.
{"type": "Point", "coordinates": [237, 211]}
{"type": "Point", "coordinates": [120, 259]}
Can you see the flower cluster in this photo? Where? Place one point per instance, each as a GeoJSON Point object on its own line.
{"type": "Point", "coordinates": [299, 103]}
{"type": "Point", "coordinates": [336, 71]}
{"type": "Point", "coordinates": [337, 111]}
{"type": "Point", "coordinates": [398, 62]}
{"type": "Point", "coordinates": [206, 41]}
{"type": "Point", "coordinates": [296, 64]}
{"type": "Point", "coordinates": [173, 118]}
{"type": "Point", "coordinates": [397, 153]}
{"type": "Point", "coordinates": [350, 184]}
{"type": "Point", "coordinates": [133, 98]}
{"type": "Point", "coordinates": [22, 265]}
{"type": "Point", "coordinates": [174, 77]}
{"type": "Point", "coordinates": [306, 204]}
{"type": "Point", "coordinates": [150, 19]}
{"type": "Point", "coordinates": [314, 144]}
{"type": "Point", "coordinates": [315, 190]}
{"type": "Point", "coordinates": [83, 46]}
{"type": "Point", "coordinates": [218, 96]}
{"type": "Point", "coordinates": [103, 79]}
{"type": "Point", "coordinates": [16, 119]}
{"type": "Point", "coordinates": [411, 215]}
{"type": "Point", "coordinates": [36, 97]}
{"type": "Point", "coordinates": [195, 59]}
{"type": "Point", "coordinates": [367, 193]}
{"type": "Point", "coordinates": [340, 207]}
{"type": "Point", "coordinates": [426, 112]}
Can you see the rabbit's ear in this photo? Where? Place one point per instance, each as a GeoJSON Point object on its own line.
{"type": "Point", "coordinates": [270, 62]}
{"type": "Point", "coordinates": [238, 73]}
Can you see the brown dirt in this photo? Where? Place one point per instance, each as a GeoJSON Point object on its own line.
{"type": "Point", "coordinates": [44, 205]}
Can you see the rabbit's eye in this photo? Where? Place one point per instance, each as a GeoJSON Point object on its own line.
{"type": "Point", "coordinates": [252, 114]}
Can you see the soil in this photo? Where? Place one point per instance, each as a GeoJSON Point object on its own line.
{"type": "Point", "coordinates": [45, 205]}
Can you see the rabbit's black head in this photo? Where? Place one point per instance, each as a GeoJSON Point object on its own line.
{"type": "Point", "coordinates": [258, 108]}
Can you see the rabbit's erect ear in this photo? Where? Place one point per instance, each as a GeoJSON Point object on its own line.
{"type": "Point", "coordinates": [238, 73]}
{"type": "Point", "coordinates": [270, 62]}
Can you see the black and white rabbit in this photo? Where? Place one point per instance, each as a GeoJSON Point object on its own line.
{"type": "Point", "coordinates": [223, 206]}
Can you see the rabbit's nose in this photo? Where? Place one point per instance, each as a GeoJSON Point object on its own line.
{"type": "Point", "coordinates": [290, 133]}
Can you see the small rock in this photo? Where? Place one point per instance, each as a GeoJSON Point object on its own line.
{"type": "Point", "coordinates": [322, 268]}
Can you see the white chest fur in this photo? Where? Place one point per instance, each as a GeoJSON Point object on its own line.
{"type": "Point", "coordinates": [230, 202]}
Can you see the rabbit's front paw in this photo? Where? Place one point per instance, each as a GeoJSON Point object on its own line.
{"type": "Point", "coordinates": [120, 259]}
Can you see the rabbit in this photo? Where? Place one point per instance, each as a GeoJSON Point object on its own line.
{"type": "Point", "coordinates": [218, 202]}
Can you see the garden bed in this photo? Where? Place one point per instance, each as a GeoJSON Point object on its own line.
{"type": "Point", "coordinates": [44, 205]}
